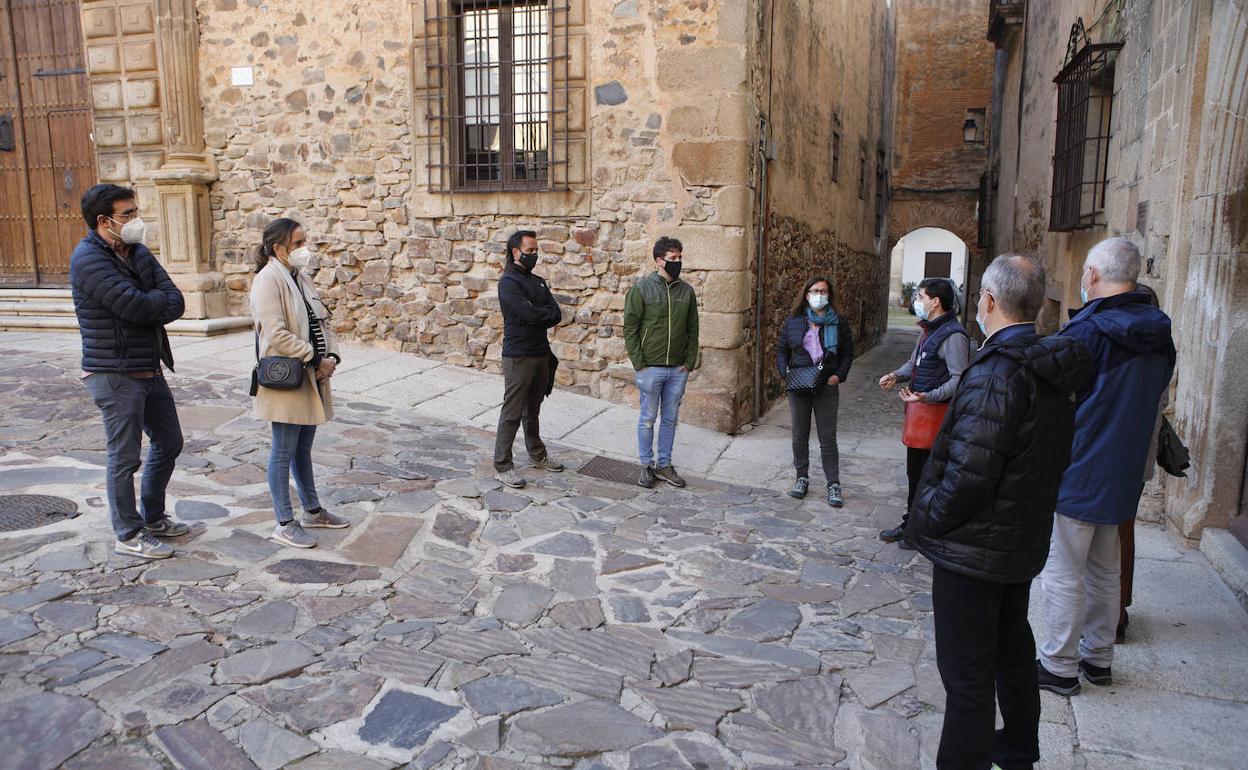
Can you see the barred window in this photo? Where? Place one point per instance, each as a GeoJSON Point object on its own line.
{"type": "Point", "coordinates": [983, 212]}
{"type": "Point", "coordinates": [495, 78]}
{"type": "Point", "coordinates": [1085, 96]}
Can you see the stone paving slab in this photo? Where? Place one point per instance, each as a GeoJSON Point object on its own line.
{"type": "Point", "coordinates": [574, 623]}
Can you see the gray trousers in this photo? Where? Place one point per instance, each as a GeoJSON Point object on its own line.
{"type": "Point", "coordinates": [824, 407]}
{"type": "Point", "coordinates": [524, 389]}
{"type": "Point", "coordinates": [1080, 592]}
{"type": "Point", "coordinates": [133, 406]}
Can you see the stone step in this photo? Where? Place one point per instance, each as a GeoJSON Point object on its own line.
{"type": "Point", "coordinates": [36, 294]}
{"type": "Point", "coordinates": [187, 327]}
{"type": "Point", "coordinates": [41, 306]}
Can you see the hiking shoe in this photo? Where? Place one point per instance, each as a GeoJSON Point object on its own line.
{"type": "Point", "coordinates": [897, 533]}
{"type": "Point", "coordinates": [166, 527]}
{"type": "Point", "coordinates": [510, 478]}
{"type": "Point", "coordinates": [1062, 685]}
{"type": "Point", "coordinates": [668, 473]}
{"type": "Point", "coordinates": [293, 534]}
{"type": "Point", "coordinates": [646, 477]}
{"type": "Point", "coordinates": [1097, 675]}
{"type": "Point", "coordinates": [547, 464]}
{"type": "Point", "coordinates": [143, 546]}
{"type": "Point", "coordinates": [800, 487]}
{"type": "Point", "coordinates": [834, 496]}
{"type": "Point", "coordinates": [324, 519]}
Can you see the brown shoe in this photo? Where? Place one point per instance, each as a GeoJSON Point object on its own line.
{"type": "Point", "coordinates": [668, 473]}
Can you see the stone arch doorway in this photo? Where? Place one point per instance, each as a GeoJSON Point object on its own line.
{"type": "Point", "coordinates": [926, 252]}
{"type": "Point", "coordinates": [954, 213]}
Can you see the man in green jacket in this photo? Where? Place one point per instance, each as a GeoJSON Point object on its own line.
{"type": "Point", "coordinates": [661, 334]}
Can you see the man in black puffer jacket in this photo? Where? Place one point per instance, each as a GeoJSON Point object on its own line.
{"type": "Point", "coordinates": [983, 513]}
{"type": "Point", "coordinates": [123, 298]}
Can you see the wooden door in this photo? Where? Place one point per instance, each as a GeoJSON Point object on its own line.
{"type": "Point", "coordinates": [44, 93]}
{"type": "Point", "coordinates": [936, 264]}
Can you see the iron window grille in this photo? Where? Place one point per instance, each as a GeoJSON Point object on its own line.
{"type": "Point", "coordinates": [497, 95]}
{"type": "Point", "coordinates": [987, 191]}
{"type": "Point", "coordinates": [1085, 97]}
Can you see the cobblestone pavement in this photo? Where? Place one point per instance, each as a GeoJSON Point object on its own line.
{"type": "Point", "coordinates": [575, 623]}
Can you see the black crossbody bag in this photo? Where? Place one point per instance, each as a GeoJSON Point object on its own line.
{"type": "Point", "coordinates": [277, 372]}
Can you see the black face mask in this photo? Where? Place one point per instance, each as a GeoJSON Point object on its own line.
{"type": "Point", "coordinates": [672, 269]}
{"type": "Point", "coordinates": [529, 261]}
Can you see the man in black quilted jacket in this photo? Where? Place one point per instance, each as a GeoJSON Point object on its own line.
{"type": "Point", "coordinates": [123, 298]}
{"type": "Point", "coordinates": [983, 513]}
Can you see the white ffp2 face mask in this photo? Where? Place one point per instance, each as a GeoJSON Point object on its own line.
{"type": "Point", "coordinates": [133, 231]}
{"type": "Point", "coordinates": [300, 258]}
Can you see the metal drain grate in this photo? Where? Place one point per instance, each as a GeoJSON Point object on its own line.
{"type": "Point", "coordinates": [610, 470]}
{"type": "Point", "coordinates": [31, 511]}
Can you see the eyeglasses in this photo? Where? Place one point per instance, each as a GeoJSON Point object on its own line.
{"type": "Point", "coordinates": [823, 292]}
{"type": "Point", "coordinates": [126, 215]}
{"type": "Point", "coordinates": [976, 297]}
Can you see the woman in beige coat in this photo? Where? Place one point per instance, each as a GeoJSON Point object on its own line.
{"type": "Point", "coordinates": [292, 322]}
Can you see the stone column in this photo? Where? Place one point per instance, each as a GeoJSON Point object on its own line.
{"type": "Point", "coordinates": [182, 183]}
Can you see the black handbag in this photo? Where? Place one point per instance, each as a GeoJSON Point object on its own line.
{"type": "Point", "coordinates": [276, 372]}
{"type": "Point", "coordinates": [804, 379]}
{"type": "Point", "coordinates": [1172, 456]}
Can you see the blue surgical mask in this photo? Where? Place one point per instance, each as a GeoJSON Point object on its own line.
{"type": "Point", "coordinates": [1083, 295]}
{"type": "Point", "coordinates": [817, 301]}
{"type": "Point", "coordinates": [982, 328]}
{"type": "Point", "coordinates": [920, 309]}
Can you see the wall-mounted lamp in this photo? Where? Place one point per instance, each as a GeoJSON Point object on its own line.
{"type": "Point", "coordinates": [970, 131]}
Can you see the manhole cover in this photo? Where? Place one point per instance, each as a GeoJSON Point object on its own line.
{"type": "Point", "coordinates": [610, 470]}
{"type": "Point", "coordinates": [30, 511]}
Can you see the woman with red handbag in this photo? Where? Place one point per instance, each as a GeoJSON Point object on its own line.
{"type": "Point", "coordinates": [813, 355]}
{"type": "Point", "coordinates": [933, 371]}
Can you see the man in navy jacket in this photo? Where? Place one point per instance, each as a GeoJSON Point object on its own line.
{"type": "Point", "coordinates": [1133, 356]}
{"type": "Point", "coordinates": [123, 298]}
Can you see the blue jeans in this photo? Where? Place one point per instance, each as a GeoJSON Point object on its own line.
{"type": "Point", "coordinates": [661, 389]}
{"type": "Point", "coordinates": [132, 406]}
{"type": "Point", "coordinates": [292, 452]}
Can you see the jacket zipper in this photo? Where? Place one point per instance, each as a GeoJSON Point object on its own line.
{"type": "Point", "coordinates": [667, 357]}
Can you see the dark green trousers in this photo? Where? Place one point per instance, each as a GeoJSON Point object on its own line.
{"type": "Point", "coordinates": [524, 388]}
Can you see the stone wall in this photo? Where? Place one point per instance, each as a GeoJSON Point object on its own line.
{"type": "Point", "coordinates": [1176, 188]}
{"type": "Point", "coordinates": [829, 74]}
{"type": "Point", "coordinates": [331, 134]}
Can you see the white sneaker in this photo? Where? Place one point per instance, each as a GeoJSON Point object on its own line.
{"type": "Point", "coordinates": [143, 546]}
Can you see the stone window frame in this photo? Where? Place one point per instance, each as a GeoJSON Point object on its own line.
{"type": "Point", "coordinates": [569, 194]}
{"type": "Point", "coordinates": [862, 171]}
{"type": "Point", "coordinates": [881, 189]}
{"type": "Point", "coordinates": [1085, 96]}
{"type": "Point", "coordinates": [836, 147]}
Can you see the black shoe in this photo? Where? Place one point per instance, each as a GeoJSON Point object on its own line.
{"type": "Point", "coordinates": [904, 545]}
{"type": "Point", "coordinates": [1101, 677]}
{"type": "Point", "coordinates": [646, 477]}
{"type": "Point", "coordinates": [668, 473]}
{"type": "Point", "coordinates": [1062, 685]}
{"type": "Point", "coordinates": [893, 535]}
{"type": "Point", "coordinates": [834, 495]}
{"type": "Point", "coordinates": [800, 487]}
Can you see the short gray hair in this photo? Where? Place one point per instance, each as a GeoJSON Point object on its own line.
{"type": "Point", "coordinates": [1017, 283]}
{"type": "Point", "coordinates": [1116, 259]}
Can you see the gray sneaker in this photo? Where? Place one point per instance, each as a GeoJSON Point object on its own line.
{"type": "Point", "coordinates": [511, 478]}
{"type": "Point", "coordinates": [166, 527]}
{"type": "Point", "coordinates": [292, 533]}
{"type": "Point", "coordinates": [324, 519]}
{"type": "Point", "coordinates": [143, 546]}
{"type": "Point", "coordinates": [547, 464]}
{"type": "Point", "coordinates": [646, 478]}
